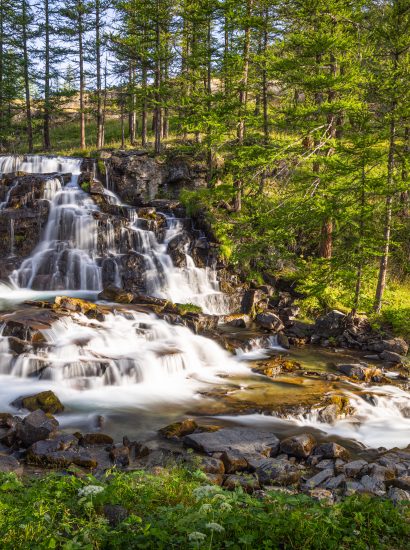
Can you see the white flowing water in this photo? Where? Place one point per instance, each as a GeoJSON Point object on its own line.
{"type": "Point", "coordinates": [133, 361]}
{"type": "Point", "coordinates": [382, 419]}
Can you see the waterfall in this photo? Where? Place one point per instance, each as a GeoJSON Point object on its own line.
{"type": "Point", "coordinates": [134, 351]}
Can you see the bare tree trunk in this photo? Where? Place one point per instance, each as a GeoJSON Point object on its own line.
{"type": "Point", "coordinates": [122, 122]}
{"type": "Point", "coordinates": [27, 78]}
{"type": "Point", "coordinates": [243, 90]}
{"type": "Point", "coordinates": [47, 106]}
{"type": "Point", "coordinates": [104, 106]}
{"type": "Point", "coordinates": [98, 66]}
{"type": "Point", "coordinates": [82, 76]}
{"type": "Point", "coordinates": [144, 106]}
{"type": "Point", "coordinates": [381, 283]}
{"type": "Point", "coordinates": [265, 80]}
{"type": "Point", "coordinates": [158, 111]}
{"type": "Point", "coordinates": [131, 112]}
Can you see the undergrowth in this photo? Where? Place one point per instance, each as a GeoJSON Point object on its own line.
{"type": "Point", "coordinates": [175, 508]}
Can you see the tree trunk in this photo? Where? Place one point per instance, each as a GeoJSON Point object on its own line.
{"type": "Point", "coordinates": [27, 78]}
{"type": "Point", "coordinates": [381, 283]}
{"type": "Point", "coordinates": [265, 80]}
{"type": "Point", "coordinates": [144, 105]}
{"type": "Point", "coordinates": [99, 79]}
{"type": "Point", "coordinates": [47, 107]}
{"type": "Point", "coordinates": [158, 113]}
{"type": "Point", "coordinates": [243, 90]}
{"type": "Point", "coordinates": [82, 76]}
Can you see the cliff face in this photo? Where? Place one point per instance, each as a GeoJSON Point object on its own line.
{"type": "Point", "coordinates": [138, 177]}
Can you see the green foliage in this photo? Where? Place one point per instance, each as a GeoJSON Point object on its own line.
{"type": "Point", "coordinates": [188, 308]}
{"type": "Point", "coordinates": [175, 509]}
{"type": "Point", "coordinates": [85, 186]}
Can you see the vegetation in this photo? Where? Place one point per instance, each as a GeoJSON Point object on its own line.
{"type": "Point", "coordinates": [299, 110]}
{"type": "Point", "coordinates": [175, 508]}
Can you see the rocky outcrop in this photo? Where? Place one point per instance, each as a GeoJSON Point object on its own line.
{"type": "Point", "coordinates": [139, 177]}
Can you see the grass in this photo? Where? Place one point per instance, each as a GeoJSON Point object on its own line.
{"type": "Point", "coordinates": [175, 508]}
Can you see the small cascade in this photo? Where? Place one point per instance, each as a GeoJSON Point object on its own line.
{"type": "Point", "coordinates": [64, 259]}
{"type": "Point", "coordinates": [126, 349]}
{"type": "Point", "coordinates": [38, 164]}
{"type": "Point", "coordinates": [5, 203]}
{"type": "Point", "coordinates": [260, 347]}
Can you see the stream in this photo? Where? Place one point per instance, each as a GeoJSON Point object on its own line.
{"type": "Point", "coordinates": [134, 372]}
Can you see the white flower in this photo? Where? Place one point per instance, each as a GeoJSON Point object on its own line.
{"type": "Point", "coordinates": [204, 491]}
{"type": "Point", "coordinates": [196, 536]}
{"type": "Point", "coordinates": [215, 527]}
{"type": "Point", "coordinates": [90, 490]}
{"type": "Point", "coordinates": [225, 507]}
{"type": "Point", "coordinates": [205, 508]}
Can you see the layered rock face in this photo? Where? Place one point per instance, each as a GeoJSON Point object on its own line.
{"type": "Point", "coordinates": [137, 177]}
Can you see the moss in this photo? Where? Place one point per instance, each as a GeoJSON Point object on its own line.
{"type": "Point", "coordinates": [47, 401]}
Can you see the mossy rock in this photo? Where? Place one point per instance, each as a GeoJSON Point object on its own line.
{"type": "Point", "coordinates": [179, 429]}
{"type": "Point", "coordinates": [46, 401]}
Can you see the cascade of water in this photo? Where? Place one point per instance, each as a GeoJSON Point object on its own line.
{"type": "Point", "coordinates": [5, 203]}
{"type": "Point", "coordinates": [127, 348]}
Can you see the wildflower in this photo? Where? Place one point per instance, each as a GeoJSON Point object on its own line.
{"type": "Point", "coordinates": [204, 491]}
{"type": "Point", "coordinates": [205, 508]}
{"type": "Point", "coordinates": [215, 527]}
{"type": "Point", "coordinates": [90, 490]}
{"type": "Point", "coordinates": [225, 507]}
{"type": "Point", "coordinates": [196, 536]}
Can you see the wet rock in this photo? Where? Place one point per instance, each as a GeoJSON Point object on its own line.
{"type": "Point", "coordinates": [46, 401]}
{"type": "Point", "coordinates": [120, 456]}
{"type": "Point", "coordinates": [329, 414]}
{"type": "Point", "coordinates": [10, 464]}
{"type": "Point", "coordinates": [35, 427]}
{"type": "Point", "coordinates": [355, 371]}
{"type": "Point", "coordinates": [332, 450]}
{"type": "Point", "coordinates": [395, 345]}
{"type": "Point", "coordinates": [242, 440]}
{"type": "Point", "coordinates": [300, 446]}
{"type": "Point", "coordinates": [179, 429]}
{"type": "Point", "coordinates": [390, 356]}
{"type": "Point", "coordinates": [42, 452]}
{"type": "Point", "coordinates": [283, 340]}
{"type": "Point", "coordinates": [77, 305]}
{"type": "Point", "coordinates": [115, 514]}
{"type": "Point", "coordinates": [319, 478]}
{"type": "Point", "coordinates": [6, 420]}
{"type": "Point", "coordinates": [248, 483]}
{"type": "Point", "coordinates": [250, 300]}
{"type": "Point", "coordinates": [269, 321]}
{"type": "Point", "coordinates": [278, 472]}
{"type": "Point", "coordinates": [96, 439]}
{"type": "Point", "coordinates": [115, 294]}
{"type": "Point", "coordinates": [356, 469]}
{"type": "Point", "coordinates": [177, 249]}
{"type": "Point", "coordinates": [398, 495]}
{"type": "Point", "coordinates": [238, 320]}
{"type": "Point", "coordinates": [234, 462]}
{"type": "Point", "coordinates": [18, 346]}
{"type": "Point", "coordinates": [330, 324]}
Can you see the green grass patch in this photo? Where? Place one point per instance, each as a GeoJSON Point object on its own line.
{"type": "Point", "coordinates": [175, 508]}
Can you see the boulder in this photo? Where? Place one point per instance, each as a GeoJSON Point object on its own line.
{"type": "Point", "coordinates": [390, 357]}
{"type": "Point", "coordinates": [35, 427]}
{"type": "Point", "coordinates": [269, 321]}
{"type": "Point", "coordinates": [96, 439]}
{"type": "Point", "coordinates": [277, 471]}
{"type": "Point", "coordinates": [248, 483]}
{"type": "Point", "coordinates": [402, 482]}
{"type": "Point", "coordinates": [319, 478]}
{"type": "Point", "coordinates": [10, 464]}
{"type": "Point", "coordinates": [179, 429]}
{"type": "Point", "coordinates": [356, 371]}
{"type": "Point", "coordinates": [115, 294]}
{"type": "Point", "coordinates": [356, 469]}
{"type": "Point", "coordinates": [332, 450]}
{"type": "Point", "coordinates": [300, 446]}
{"type": "Point", "coordinates": [234, 462]}
{"type": "Point", "coordinates": [398, 495]}
{"type": "Point", "coordinates": [120, 456]}
{"type": "Point", "coordinates": [115, 514]}
{"type": "Point", "coordinates": [395, 345]}
{"type": "Point", "coordinates": [46, 401]}
{"type": "Point", "coordinates": [6, 420]}
{"type": "Point", "coordinates": [242, 440]}
{"type": "Point", "coordinates": [331, 324]}
{"type": "Point", "coordinates": [211, 465]}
